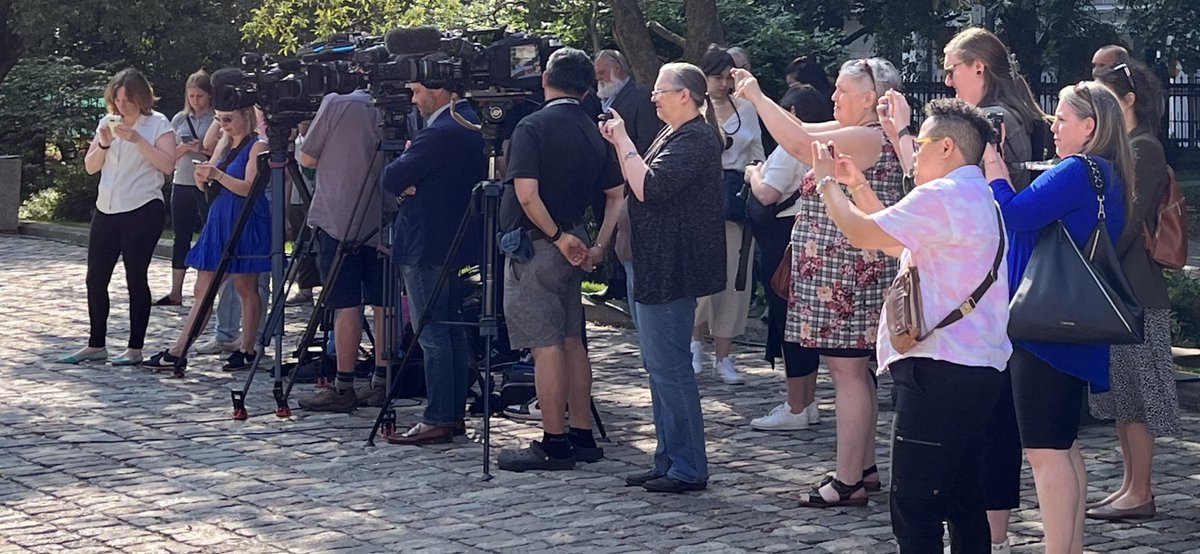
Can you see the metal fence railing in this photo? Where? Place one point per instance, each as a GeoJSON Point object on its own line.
{"type": "Point", "coordinates": [1182, 109]}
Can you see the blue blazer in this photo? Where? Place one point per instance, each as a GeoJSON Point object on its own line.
{"type": "Point", "coordinates": [444, 163]}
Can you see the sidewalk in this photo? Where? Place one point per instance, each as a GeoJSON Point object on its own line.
{"type": "Point", "coordinates": [103, 459]}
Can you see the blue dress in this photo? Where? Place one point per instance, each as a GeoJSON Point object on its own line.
{"type": "Point", "coordinates": [254, 246]}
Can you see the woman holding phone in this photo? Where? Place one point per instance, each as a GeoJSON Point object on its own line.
{"type": "Point", "coordinates": [189, 208]}
{"type": "Point", "coordinates": [132, 149]}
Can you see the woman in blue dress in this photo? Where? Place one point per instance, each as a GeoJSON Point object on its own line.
{"type": "Point", "coordinates": [235, 173]}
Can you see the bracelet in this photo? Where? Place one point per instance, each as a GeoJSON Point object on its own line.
{"type": "Point", "coordinates": [903, 132]}
{"type": "Point", "coordinates": [557, 234]}
{"type": "Point", "coordinates": [103, 147]}
{"type": "Point", "coordinates": [825, 181]}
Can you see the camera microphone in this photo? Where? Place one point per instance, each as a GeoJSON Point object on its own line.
{"type": "Point", "coordinates": [416, 40]}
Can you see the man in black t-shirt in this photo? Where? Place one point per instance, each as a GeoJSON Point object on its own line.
{"type": "Point", "coordinates": [557, 162]}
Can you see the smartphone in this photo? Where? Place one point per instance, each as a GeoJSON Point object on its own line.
{"type": "Point", "coordinates": [606, 116]}
{"type": "Point", "coordinates": [113, 122]}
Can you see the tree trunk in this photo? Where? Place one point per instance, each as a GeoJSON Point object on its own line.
{"type": "Point", "coordinates": [703, 28]}
{"type": "Point", "coordinates": [11, 45]}
{"type": "Point", "coordinates": [632, 35]}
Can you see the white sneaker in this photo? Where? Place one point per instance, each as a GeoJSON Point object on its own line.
{"type": "Point", "coordinates": [214, 346]}
{"type": "Point", "coordinates": [728, 373]}
{"type": "Point", "coordinates": [697, 357]}
{"type": "Point", "coordinates": [812, 413]}
{"type": "Point", "coordinates": [781, 418]}
{"type": "Point", "coordinates": [1002, 548]}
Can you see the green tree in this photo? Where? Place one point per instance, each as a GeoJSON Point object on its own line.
{"type": "Point", "coordinates": [1168, 27]}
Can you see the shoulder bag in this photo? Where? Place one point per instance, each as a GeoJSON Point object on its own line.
{"type": "Point", "coordinates": [1072, 296]}
{"type": "Point", "coordinates": [905, 312]}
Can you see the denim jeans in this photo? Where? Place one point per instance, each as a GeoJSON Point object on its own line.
{"type": "Point", "coordinates": [665, 332]}
{"type": "Point", "coordinates": [447, 353]}
{"type": "Point", "coordinates": [629, 291]}
{"type": "Point", "coordinates": [229, 309]}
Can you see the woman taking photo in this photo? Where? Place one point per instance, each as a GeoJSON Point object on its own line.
{"type": "Point", "coordinates": [133, 147]}
{"type": "Point", "coordinates": [1143, 399]}
{"type": "Point", "coordinates": [189, 208]}
{"type": "Point", "coordinates": [775, 185]}
{"type": "Point", "coordinates": [724, 314]}
{"type": "Point", "coordinates": [837, 289]}
{"type": "Point", "coordinates": [677, 232]}
{"type": "Point", "coordinates": [1048, 378]}
{"type": "Point", "coordinates": [237, 151]}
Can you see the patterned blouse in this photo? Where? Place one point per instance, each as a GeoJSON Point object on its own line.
{"type": "Point", "coordinates": [837, 289]}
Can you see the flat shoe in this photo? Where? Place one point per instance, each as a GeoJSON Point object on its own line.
{"type": "Point", "coordinates": [166, 301]}
{"type": "Point", "coordinates": [667, 483]}
{"type": "Point", "coordinates": [98, 355]}
{"type": "Point", "coordinates": [1109, 513]}
{"type": "Point", "coordinates": [122, 360]}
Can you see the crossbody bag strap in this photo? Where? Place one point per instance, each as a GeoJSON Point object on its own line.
{"type": "Point", "coordinates": [188, 118]}
{"type": "Point", "coordinates": [1097, 178]}
{"type": "Point", "coordinates": [969, 306]}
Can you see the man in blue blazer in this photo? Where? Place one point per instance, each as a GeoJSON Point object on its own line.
{"type": "Point", "coordinates": [433, 180]}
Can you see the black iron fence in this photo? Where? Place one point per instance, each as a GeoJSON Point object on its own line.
{"type": "Point", "coordinates": [1182, 115]}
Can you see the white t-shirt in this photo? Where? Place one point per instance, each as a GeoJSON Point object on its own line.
{"type": "Point", "coordinates": [743, 127]}
{"type": "Point", "coordinates": [128, 180]}
{"type": "Point", "coordinates": [784, 173]}
{"type": "Point", "coordinates": [949, 231]}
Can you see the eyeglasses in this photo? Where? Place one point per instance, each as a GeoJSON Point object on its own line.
{"type": "Point", "coordinates": [226, 119]}
{"type": "Point", "coordinates": [659, 92]}
{"type": "Point", "coordinates": [922, 141]}
{"type": "Point", "coordinates": [1128, 74]}
{"type": "Point", "coordinates": [949, 69]}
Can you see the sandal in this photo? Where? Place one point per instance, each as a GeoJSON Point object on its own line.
{"type": "Point", "coordinates": [166, 301]}
{"type": "Point", "coordinates": [844, 495]}
{"type": "Point", "coordinates": [872, 486]}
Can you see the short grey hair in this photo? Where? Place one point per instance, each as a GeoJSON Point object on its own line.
{"type": "Point", "coordinates": [882, 72]}
{"type": "Point", "coordinates": [615, 56]}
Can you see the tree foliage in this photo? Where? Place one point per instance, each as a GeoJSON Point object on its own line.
{"type": "Point", "coordinates": [1153, 21]}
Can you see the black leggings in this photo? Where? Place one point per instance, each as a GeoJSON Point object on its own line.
{"type": "Point", "coordinates": [131, 236]}
{"type": "Point", "coordinates": [189, 210]}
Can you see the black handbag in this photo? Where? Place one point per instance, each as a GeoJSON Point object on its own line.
{"type": "Point", "coordinates": [1073, 296]}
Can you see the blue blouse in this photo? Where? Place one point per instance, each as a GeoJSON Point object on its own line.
{"type": "Point", "coordinates": [1063, 193]}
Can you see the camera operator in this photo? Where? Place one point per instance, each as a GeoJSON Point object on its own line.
{"type": "Point", "coordinates": [341, 144]}
{"type": "Point", "coordinates": [433, 180]}
{"type": "Point", "coordinates": [557, 162]}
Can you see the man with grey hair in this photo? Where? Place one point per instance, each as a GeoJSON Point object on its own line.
{"type": "Point", "coordinates": [617, 89]}
{"type": "Point", "coordinates": [1108, 56]}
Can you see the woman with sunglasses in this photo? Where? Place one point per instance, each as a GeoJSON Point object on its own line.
{"type": "Point", "coordinates": [236, 151]}
{"type": "Point", "coordinates": [837, 289]}
{"type": "Point", "coordinates": [1048, 378]}
{"type": "Point", "coordinates": [724, 314]}
{"type": "Point", "coordinates": [1143, 399]}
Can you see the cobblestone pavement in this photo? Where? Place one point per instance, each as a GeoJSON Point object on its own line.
{"type": "Point", "coordinates": [101, 459]}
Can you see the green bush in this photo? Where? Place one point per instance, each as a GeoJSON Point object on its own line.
{"type": "Point", "coordinates": [1185, 309]}
{"type": "Point", "coordinates": [71, 198]}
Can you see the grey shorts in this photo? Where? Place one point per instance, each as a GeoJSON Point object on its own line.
{"type": "Point", "coordinates": [542, 303]}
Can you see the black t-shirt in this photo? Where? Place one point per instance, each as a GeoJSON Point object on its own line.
{"type": "Point", "coordinates": [561, 147]}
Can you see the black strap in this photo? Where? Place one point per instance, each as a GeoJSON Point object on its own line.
{"type": "Point", "coordinates": [195, 135]}
{"type": "Point", "coordinates": [787, 202]}
{"type": "Point", "coordinates": [969, 306]}
{"type": "Point", "coordinates": [233, 155]}
{"type": "Point", "coordinates": [1097, 178]}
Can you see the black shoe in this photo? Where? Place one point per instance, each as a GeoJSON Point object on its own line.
{"type": "Point", "coordinates": [238, 360]}
{"type": "Point", "coordinates": [671, 484]}
{"type": "Point", "coordinates": [639, 479]}
{"type": "Point", "coordinates": [162, 360]}
{"type": "Point", "coordinates": [533, 457]}
{"type": "Point", "coordinates": [588, 454]}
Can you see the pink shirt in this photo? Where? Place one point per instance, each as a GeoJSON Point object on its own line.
{"type": "Point", "coordinates": [949, 231]}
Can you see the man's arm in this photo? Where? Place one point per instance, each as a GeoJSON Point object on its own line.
{"type": "Point", "coordinates": [571, 246]}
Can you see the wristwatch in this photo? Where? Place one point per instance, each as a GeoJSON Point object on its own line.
{"type": "Point", "coordinates": [903, 132]}
{"type": "Point", "coordinates": [557, 235]}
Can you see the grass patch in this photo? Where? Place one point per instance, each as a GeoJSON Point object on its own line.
{"type": "Point", "coordinates": [590, 287]}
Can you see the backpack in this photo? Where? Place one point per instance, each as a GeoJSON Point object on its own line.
{"type": "Point", "coordinates": [1168, 244]}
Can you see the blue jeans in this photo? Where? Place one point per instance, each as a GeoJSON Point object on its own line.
{"type": "Point", "coordinates": [229, 309]}
{"type": "Point", "coordinates": [629, 291]}
{"type": "Point", "coordinates": [665, 331]}
{"type": "Point", "coordinates": [446, 351]}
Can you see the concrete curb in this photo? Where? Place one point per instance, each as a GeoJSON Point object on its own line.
{"type": "Point", "coordinates": [74, 235]}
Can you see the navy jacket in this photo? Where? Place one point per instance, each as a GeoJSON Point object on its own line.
{"type": "Point", "coordinates": [444, 162]}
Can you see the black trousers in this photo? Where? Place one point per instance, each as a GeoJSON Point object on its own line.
{"type": "Point", "coordinates": [772, 240]}
{"type": "Point", "coordinates": [937, 451]}
{"type": "Point", "coordinates": [132, 237]}
{"type": "Point", "coordinates": [189, 210]}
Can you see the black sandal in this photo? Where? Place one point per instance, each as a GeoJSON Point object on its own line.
{"type": "Point", "coordinates": [166, 301]}
{"type": "Point", "coordinates": [872, 486]}
{"type": "Point", "coordinates": [845, 495]}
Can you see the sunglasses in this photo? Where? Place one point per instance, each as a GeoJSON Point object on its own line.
{"type": "Point", "coordinates": [226, 119]}
{"type": "Point", "coordinates": [870, 73]}
{"type": "Point", "coordinates": [922, 141]}
{"type": "Point", "coordinates": [1128, 74]}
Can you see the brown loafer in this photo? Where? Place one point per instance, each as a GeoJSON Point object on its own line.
{"type": "Point", "coordinates": [423, 434]}
{"type": "Point", "coordinates": [1110, 513]}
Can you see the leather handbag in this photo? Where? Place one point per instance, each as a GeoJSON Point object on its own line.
{"type": "Point", "coordinates": [1073, 296]}
{"type": "Point", "coordinates": [1168, 244]}
{"type": "Point", "coordinates": [905, 311]}
{"type": "Point", "coordinates": [781, 280]}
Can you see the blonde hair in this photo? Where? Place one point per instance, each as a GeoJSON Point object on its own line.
{"type": "Point", "coordinates": [137, 90]}
{"type": "Point", "coordinates": [223, 145]}
{"type": "Point", "coordinates": [201, 81]}
{"type": "Point", "coordinates": [1109, 140]}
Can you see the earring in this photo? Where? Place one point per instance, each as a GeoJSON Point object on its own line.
{"type": "Point", "coordinates": [979, 72]}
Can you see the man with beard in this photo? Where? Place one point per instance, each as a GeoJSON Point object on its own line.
{"type": "Point", "coordinates": [616, 89]}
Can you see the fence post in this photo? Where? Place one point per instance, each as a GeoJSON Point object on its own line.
{"type": "Point", "coordinates": [10, 192]}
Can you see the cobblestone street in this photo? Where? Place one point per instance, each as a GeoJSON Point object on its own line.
{"type": "Point", "coordinates": [101, 459]}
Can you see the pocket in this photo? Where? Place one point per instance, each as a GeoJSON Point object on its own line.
{"type": "Point", "coordinates": [917, 466]}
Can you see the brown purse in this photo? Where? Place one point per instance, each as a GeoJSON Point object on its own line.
{"type": "Point", "coordinates": [1168, 244]}
{"type": "Point", "coordinates": [781, 280]}
{"type": "Point", "coordinates": [905, 316]}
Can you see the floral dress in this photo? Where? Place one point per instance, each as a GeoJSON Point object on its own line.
{"type": "Point", "coordinates": [837, 289]}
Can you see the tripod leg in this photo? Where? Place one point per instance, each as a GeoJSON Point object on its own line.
{"type": "Point", "coordinates": [596, 420]}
